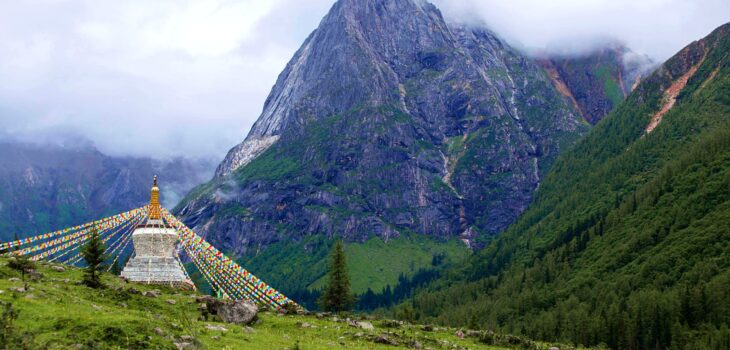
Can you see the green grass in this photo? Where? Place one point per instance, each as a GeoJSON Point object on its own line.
{"type": "Point", "coordinates": [376, 264]}
{"type": "Point", "coordinates": [59, 313]}
{"type": "Point", "coordinates": [610, 86]}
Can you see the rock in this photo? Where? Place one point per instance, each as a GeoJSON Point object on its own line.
{"type": "Point", "coordinates": [171, 302]}
{"type": "Point", "coordinates": [205, 299]}
{"type": "Point", "coordinates": [473, 334]}
{"type": "Point", "coordinates": [384, 339]}
{"type": "Point", "coordinates": [554, 348]}
{"type": "Point", "coordinates": [133, 291]}
{"type": "Point", "coordinates": [58, 268]}
{"type": "Point", "coordinates": [159, 331]}
{"type": "Point", "coordinates": [304, 325]}
{"type": "Point", "coordinates": [96, 307]}
{"type": "Point", "coordinates": [212, 327]}
{"type": "Point", "coordinates": [30, 296]}
{"type": "Point", "coordinates": [186, 338]}
{"type": "Point", "coordinates": [427, 328]}
{"type": "Point", "coordinates": [183, 345]}
{"type": "Point", "coordinates": [14, 279]}
{"type": "Point", "coordinates": [17, 289]}
{"type": "Point", "coordinates": [248, 330]}
{"type": "Point", "coordinates": [365, 325]}
{"type": "Point", "coordinates": [123, 305]}
{"type": "Point", "coordinates": [341, 340]}
{"type": "Point", "coordinates": [238, 312]}
{"type": "Point", "coordinates": [35, 275]}
{"type": "Point", "coordinates": [459, 334]}
{"type": "Point", "coordinates": [151, 293]}
{"type": "Point", "coordinates": [415, 345]}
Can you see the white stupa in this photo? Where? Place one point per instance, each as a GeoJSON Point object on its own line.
{"type": "Point", "coordinates": [155, 259]}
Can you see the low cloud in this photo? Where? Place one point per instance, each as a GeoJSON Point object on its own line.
{"type": "Point", "coordinates": [658, 28]}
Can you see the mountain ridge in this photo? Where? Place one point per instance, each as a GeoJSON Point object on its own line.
{"type": "Point", "coordinates": [626, 243]}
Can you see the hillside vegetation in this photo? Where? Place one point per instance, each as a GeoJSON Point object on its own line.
{"type": "Point", "coordinates": [628, 241]}
{"type": "Point", "coordinates": [57, 312]}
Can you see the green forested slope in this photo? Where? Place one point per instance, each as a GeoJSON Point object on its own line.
{"type": "Point", "coordinates": [628, 240]}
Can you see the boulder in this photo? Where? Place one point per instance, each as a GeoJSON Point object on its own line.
{"type": "Point", "coordinates": [152, 293]}
{"type": "Point", "coordinates": [384, 339]}
{"type": "Point", "coordinates": [365, 325]}
{"type": "Point", "coordinates": [183, 345]}
{"type": "Point", "coordinates": [58, 268]}
{"type": "Point", "coordinates": [473, 334]}
{"type": "Point", "coordinates": [237, 311]}
{"type": "Point", "coordinates": [212, 327]}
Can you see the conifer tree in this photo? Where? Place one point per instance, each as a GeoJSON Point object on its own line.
{"type": "Point", "coordinates": [338, 297]}
{"type": "Point", "coordinates": [93, 253]}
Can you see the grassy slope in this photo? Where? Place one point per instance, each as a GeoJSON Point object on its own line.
{"type": "Point", "coordinates": [624, 230]}
{"type": "Point", "coordinates": [59, 313]}
{"type": "Point", "coordinates": [373, 264]}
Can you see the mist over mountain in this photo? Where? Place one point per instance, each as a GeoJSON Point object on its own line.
{"type": "Point", "coordinates": [48, 186]}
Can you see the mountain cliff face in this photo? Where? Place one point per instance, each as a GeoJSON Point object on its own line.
{"type": "Point", "coordinates": [45, 187]}
{"type": "Point", "coordinates": [628, 240]}
{"type": "Point", "coordinates": [597, 81]}
{"type": "Point", "coordinates": [388, 119]}
{"type": "Point", "coordinates": [389, 122]}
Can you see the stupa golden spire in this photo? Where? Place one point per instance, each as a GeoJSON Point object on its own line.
{"type": "Point", "coordinates": [155, 209]}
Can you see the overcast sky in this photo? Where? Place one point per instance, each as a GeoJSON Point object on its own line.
{"type": "Point", "coordinates": [163, 78]}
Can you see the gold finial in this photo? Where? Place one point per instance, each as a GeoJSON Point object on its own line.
{"type": "Point", "coordinates": [155, 208]}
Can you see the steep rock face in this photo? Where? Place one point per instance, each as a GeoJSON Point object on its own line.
{"type": "Point", "coordinates": [597, 81]}
{"type": "Point", "coordinates": [43, 188]}
{"type": "Point", "coordinates": [389, 120]}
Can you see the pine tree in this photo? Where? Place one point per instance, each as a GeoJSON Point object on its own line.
{"type": "Point", "coordinates": [338, 297]}
{"type": "Point", "coordinates": [93, 253]}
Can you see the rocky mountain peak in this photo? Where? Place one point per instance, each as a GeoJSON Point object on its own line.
{"type": "Point", "coordinates": [389, 120]}
{"type": "Point", "coordinates": [377, 38]}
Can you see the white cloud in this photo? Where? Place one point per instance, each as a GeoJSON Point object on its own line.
{"type": "Point", "coordinates": [170, 77]}
{"type": "Point", "coordinates": [658, 28]}
{"type": "Point", "coordinates": [190, 77]}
